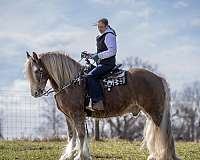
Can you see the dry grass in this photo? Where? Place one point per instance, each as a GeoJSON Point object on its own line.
{"type": "Point", "coordinates": [108, 150]}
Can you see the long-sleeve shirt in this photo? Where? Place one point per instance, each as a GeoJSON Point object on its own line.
{"type": "Point", "coordinates": [110, 42]}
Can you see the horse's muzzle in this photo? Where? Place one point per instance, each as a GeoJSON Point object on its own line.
{"type": "Point", "coordinates": [37, 93]}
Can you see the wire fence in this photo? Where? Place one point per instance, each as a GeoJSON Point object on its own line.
{"type": "Point", "coordinates": [25, 117]}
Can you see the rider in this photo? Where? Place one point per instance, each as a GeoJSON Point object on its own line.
{"type": "Point", "coordinates": [105, 60]}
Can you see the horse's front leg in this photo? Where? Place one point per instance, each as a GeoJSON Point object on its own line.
{"type": "Point", "coordinates": [70, 128]}
{"type": "Point", "coordinates": [70, 151]}
{"type": "Point", "coordinates": [82, 136]}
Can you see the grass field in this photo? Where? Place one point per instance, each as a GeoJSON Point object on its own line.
{"type": "Point", "coordinates": [108, 150]}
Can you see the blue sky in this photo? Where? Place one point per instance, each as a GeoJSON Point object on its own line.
{"type": "Point", "coordinates": [166, 33]}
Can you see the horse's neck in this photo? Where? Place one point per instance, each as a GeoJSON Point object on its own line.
{"type": "Point", "coordinates": [58, 80]}
{"type": "Point", "coordinates": [54, 85]}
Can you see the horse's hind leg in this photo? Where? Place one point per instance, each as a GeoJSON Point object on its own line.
{"type": "Point", "coordinates": [149, 138]}
{"type": "Point", "coordinates": [158, 135]}
{"type": "Point", "coordinates": [159, 140]}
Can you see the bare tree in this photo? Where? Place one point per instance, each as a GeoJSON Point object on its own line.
{"type": "Point", "coordinates": [1, 124]}
{"type": "Point", "coordinates": [137, 62]}
{"type": "Point", "coordinates": [186, 109]}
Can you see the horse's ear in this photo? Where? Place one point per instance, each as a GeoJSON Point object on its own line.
{"type": "Point", "coordinates": [28, 55]}
{"type": "Point", "coordinates": [35, 57]}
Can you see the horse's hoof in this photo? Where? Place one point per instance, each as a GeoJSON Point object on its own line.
{"type": "Point", "coordinates": [151, 157]}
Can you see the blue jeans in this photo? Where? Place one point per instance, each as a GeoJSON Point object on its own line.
{"type": "Point", "coordinates": [93, 81]}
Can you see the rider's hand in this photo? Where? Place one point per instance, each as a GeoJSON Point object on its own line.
{"type": "Point", "coordinates": [87, 55]}
{"type": "Point", "coordinates": [84, 54]}
{"type": "Point", "coordinates": [95, 57]}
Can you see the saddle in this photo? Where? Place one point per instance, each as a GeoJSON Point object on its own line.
{"type": "Point", "coordinates": [115, 77]}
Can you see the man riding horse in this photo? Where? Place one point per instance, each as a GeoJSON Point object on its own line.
{"type": "Point", "coordinates": [105, 60]}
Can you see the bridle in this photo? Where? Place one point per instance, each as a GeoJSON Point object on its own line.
{"type": "Point", "coordinates": [41, 75]}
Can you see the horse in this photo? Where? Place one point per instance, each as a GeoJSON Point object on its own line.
{"type": "Point", "coordinates": [145, 92]}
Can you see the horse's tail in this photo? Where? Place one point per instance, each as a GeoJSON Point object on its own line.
{"type": "Point", "coordinates": [159, 139]}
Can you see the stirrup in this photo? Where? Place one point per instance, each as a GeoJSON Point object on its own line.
{"type": "Point", "coordinates": [89, 108]}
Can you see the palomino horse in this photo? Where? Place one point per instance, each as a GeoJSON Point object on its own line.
{"type": "Point", "coordinates": [144, 92]}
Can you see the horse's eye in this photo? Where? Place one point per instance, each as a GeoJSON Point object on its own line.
{"type": "Point", "coordinates": [41, 70]}
{"type": "Point", "coordinates": [37, 71]}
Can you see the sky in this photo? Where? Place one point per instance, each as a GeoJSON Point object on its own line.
{"type": "Point", "coordinates": [163, 32]}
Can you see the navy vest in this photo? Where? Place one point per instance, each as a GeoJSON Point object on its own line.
{"type": "Point", "coordinates": [101, 46]}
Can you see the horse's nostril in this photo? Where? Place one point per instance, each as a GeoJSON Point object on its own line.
{"type": "Point", "coordinates": [40, 90]}
{"type": "Point", "coordinates": [36, 93]}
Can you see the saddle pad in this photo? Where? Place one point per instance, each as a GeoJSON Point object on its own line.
{"type": "Point", "coordinates": [115, 80]}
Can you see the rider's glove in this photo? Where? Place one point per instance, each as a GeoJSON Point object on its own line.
{"type": "Point", "coordinates": [84, 54]}
{"type": "Point", "coordinates": [95, 57]}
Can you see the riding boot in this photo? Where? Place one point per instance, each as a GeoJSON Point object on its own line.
{"type": "Point", "coordinates": [98, 105]}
